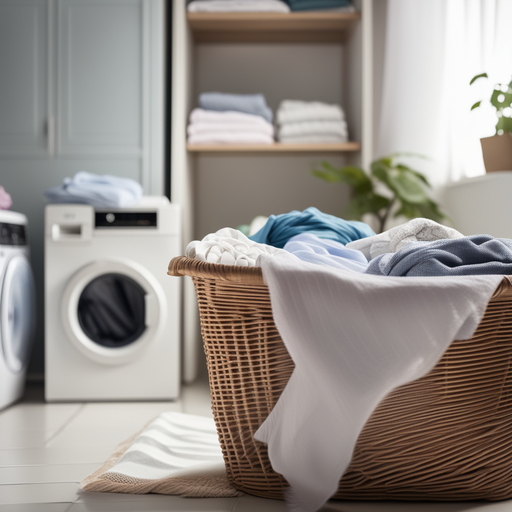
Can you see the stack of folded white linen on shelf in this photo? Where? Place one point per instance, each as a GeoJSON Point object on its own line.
{"type": "Point", "coordinates": [229, 127]}
{"type": "Point", "coordinates": [237, 6]}
{"type": "Point", "coordinates": [311, 122]}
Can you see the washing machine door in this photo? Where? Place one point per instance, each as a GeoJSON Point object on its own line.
{"type": "Point", "coordinates": [112, 309]}
{"type": "Point", "coordinates": [18, 312]}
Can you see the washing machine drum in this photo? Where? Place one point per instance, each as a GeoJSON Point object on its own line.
{"type": "Point", "coordinates": [17, 315]}
{"type": "Point", "coordinates": [112, 310]}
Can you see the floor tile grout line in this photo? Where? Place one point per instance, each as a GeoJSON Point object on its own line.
{"type": "Point", "coordinates": [38, 483]}
{"type": "Point", "coordinates": [233, 508]}
{"type": "Point", "coordinates": [71, 418]}
{"type": "Point", "coordinates": [45, 465]}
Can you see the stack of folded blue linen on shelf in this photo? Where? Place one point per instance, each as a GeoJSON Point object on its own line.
{"type": "Point", "coordinates": [320, 5]}
{"type": "Point", "coordinates": [231, 119]}
{"type": "Point", "coordinates": [311, 122]}
{"type": "Point", "coordinates": [237, 6]}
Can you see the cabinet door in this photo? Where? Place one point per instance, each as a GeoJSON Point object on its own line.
{"type": "Point", "coordinates": [23, 77]}
{"type": "Point", "coordinates": [101, 77]}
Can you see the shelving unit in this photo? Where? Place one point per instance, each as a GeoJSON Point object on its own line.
{"type": "Point", "coordinates": [274, 148]}
{"type": "Point", "coordinates": [323, 56]}
{"type": "Point", "coordinates": [256, 27]}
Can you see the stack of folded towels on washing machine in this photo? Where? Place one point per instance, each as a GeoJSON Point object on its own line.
{"type": "Point", "coordinates": [98, 190]}
{"type": "Point", "coordinates": [231, 119]}
{"type": "Point", "coordinates": [311, 122]}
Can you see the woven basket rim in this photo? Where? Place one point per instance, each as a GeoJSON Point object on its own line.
{"type": "Point", "coordinates": [183, 266]}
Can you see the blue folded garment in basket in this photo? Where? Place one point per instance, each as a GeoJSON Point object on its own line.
{"type": "Point", "coordinates": [471, 255]}
{"type": "Point", "coordinates": [101, 191]}
{"type": "Point", "coordinates": [328, 253]}
{"type": "Point", "coordinates": [280, 228]}
{"type": "Point", "coordinates": [249, 103]}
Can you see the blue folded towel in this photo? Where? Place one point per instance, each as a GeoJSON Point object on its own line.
{"type": "Point", "coordinates": [328, 253]}
{"type": "Point", "coordinates": [471, 255]}
{"type": "Point", "coordinates": [280, 228]}
{"type": "Point", "coordinates": [249, 103]}
{"type": "Point", "coordinates": [101, 191]}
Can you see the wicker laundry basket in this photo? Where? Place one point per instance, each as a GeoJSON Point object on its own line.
{"type": "Point", "coordinates": [446, 436]}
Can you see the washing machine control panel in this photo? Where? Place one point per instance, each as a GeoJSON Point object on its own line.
{"type": "Point", "coordinates": [12, 234]}
{"type": "Point", "coordinates": [116, 219]}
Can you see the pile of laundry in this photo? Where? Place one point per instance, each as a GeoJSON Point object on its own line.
{"type": "Point", "coordinates": [310, 122]}
{"type": "Point", "coordinates": [231, 119]}
{"type": "Point", "coordinates": [98, 190]}
{"type": "Point", "coordinates": [267, 5]}
{"type": "Point", "coordinates": [354, 327]}
{"type": "Point", "coordinates": [420, 247]}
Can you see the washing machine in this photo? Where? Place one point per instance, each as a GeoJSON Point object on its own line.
{"type": "Point", "coordinates": [112, 314]}
{"type": "Point", "coordinates": [17, 306]}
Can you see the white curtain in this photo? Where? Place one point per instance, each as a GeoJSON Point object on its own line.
{"type": "Point", "coordinates": [433, 49]}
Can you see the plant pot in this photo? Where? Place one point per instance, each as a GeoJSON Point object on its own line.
{"type": "Point", "coordinates": [497, 152]}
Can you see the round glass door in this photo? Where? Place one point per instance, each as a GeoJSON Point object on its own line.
{"type": "Point", "coordinates": [18, 313]}
{"type": "Point", "coordinates": [112, 310]}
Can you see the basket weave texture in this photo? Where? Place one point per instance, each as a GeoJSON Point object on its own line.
{"type": "Point", "coordinates": [446, 436]}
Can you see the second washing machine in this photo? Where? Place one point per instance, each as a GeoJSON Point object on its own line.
{"type": "Point", "coordinates": [112, 317]}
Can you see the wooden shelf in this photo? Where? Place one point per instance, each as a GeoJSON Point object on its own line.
{"type": "Point", "coordinates": [274, 148]}
{"type": "Point", "coordinates": [269, 27]}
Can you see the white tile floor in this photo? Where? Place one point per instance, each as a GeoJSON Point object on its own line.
{"type": "Point", "coordinates": [47, 449]}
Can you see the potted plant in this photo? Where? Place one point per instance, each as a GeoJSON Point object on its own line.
{"type": "Point", "coordinates": [406, 189]}
{"type": "Point", "coordinates": [497, 150]}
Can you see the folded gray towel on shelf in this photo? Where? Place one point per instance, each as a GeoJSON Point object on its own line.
{"type": "Point", "coordinates": [294, 111]}
{"type": "Point", "coordinates": [249, 103]}
{"type": "Point", "coordinates": [313, 139]}
{"type": "Point", "coordinates": [315, 128]}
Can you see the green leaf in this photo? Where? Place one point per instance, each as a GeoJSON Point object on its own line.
{"type": "Point", "coordinates": [505, 124]}
{"type": "Point", "coordinates": [421, 177]}
{"type": "Point", "coordinates": [505, 97]}
{"type": "Point", "coordinates": [427, 210]}
{"type": "Point", "coordinates": [361, 204]}
{"type": "Point", "coordinates": [353, 176]}
{"type": "Point", "coordinates": [409, 211]}
{"type": "Point", "coordinates": [380, 170]}
{"type": "Point", "coordinates": [477, 104]}
{"type": "Point", "coordinates": [407, 187]}
{"type": "Point", "coordinates": [475, 78]}
{"type": "Point", "coordinates": [327, 176]}
{"type": "Point", "coordinates": [357, 178]}
{"type": "Point", "coordinates": [418, 174]}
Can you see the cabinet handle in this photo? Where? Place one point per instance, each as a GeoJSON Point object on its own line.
{"type": "Point", "coordinates": [50, 128]}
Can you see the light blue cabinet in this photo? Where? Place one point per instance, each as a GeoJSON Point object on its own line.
{"type": "Point", "coordinates": [24, 94]}
{"type": "Point", "coordinates": [83, 79]}
{"type": "Point", "coordinates": [101, 80]}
